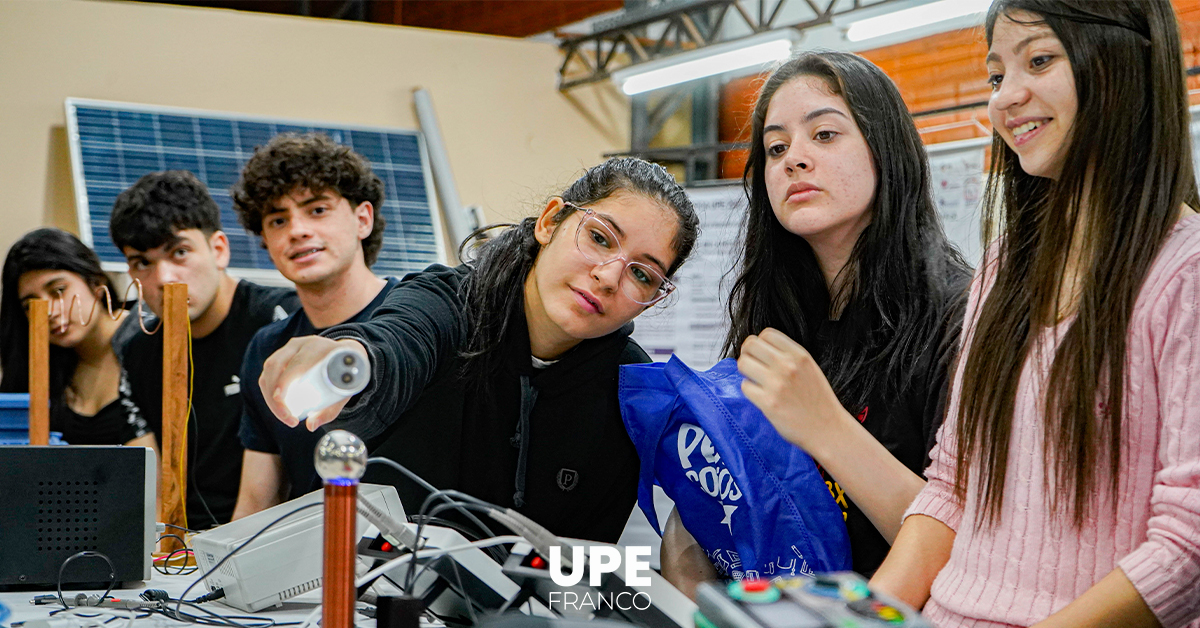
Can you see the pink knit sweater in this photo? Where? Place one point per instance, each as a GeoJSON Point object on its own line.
{"type": "Point", "coordinates": [1032, 564]}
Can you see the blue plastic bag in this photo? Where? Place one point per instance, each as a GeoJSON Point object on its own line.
{"type": "Point", "coordinates": [756, 503]}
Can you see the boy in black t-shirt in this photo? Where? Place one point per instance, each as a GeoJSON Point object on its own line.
{"type": "Point", "coordinates": [314, 204]}
{"type": "Point", "coordinates": [169, 229]}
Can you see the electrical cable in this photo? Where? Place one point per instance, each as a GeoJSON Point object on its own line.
{"type": "Point", "coordinates": [165, 568]}
{"type": "Point", "coordinates": [112, 573]}
{"type": "Point", "coordinates": [434, 552]}
{"type": "Point", "coordinates": [114, 613]}
{"type": "Point", "coordinates": [412, 579]}
{"type": "Point", "coordinates": [429, 553]}
{"type": "Point", "coordinates": [498, 554]}
{"type": "Point", "coordinates": [157, 602]}
{"type": "Point", "coordinates": [429, 487]}
{"type": "Point", "coordinates": [171, 525]}
{"type": "Point", "coordinates": [195, 421]}
{"type": "Point", "coordinates": [240, 547]}
{"type": "Point", "coordinates": [402, 469]}
{"type": "Point", "coordinates": [212, 619]}
{"type": "Point", "coordinates": [480, 505]}
{"type": "Point", "coordinates": [468, 533]}
{"type": "Point", "coordinates": [470, 604]}
{"type": "Point", "coordinates": [172, 536]}
{"type": "Point", "coordinates": [208, 597]}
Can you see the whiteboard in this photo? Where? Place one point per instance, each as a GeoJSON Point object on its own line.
{"type": "Point", "coordinates": [957, 170]}
{"type": "Point", "coordinates": [691, 323]}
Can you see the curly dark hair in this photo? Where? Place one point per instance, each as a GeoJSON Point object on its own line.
{"type": "Point", "coordinates": [292, 161]}
{"type": "Point", "coordinates": [152, 211]}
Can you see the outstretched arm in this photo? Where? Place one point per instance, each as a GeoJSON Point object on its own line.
{"type": "Point", "coordinates": [416, 330]}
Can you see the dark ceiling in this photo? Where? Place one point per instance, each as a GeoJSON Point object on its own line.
{"type": "Point", "coordinates": [511, 18]}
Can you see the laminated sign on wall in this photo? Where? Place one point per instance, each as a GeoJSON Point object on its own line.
{"type": "Point", "coordinates": [691, 323]}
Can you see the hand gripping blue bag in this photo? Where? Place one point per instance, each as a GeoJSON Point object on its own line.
{"type": "Point", "coordinates": [753, 501]}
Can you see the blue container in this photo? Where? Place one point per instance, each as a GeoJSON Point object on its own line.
{"type": "Point", "coordinates": [14, 411]}
{"type": "Point", "coordinates": [14, 420]}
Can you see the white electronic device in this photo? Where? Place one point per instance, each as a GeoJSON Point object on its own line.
{"type": "Point", "coordinates": [341, 374]}
{"type": "Point", "coordinates": [284, 561]}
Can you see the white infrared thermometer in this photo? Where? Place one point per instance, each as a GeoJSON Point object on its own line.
{"type": "Point", "coordinates": [341, 374]}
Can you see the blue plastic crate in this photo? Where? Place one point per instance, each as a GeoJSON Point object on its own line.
{"type": "Point", "coordinates": [14, 420]}
{"type": "Point", "coordinates": [14, 411]}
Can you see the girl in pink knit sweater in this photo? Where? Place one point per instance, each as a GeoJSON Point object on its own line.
{"type": "Point", "coordinates": [1065, 487]}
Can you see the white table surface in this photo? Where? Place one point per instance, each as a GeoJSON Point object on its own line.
{"type": "Point", "coordinates": [294, 610]}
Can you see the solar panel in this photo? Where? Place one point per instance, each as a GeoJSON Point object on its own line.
{"type": "Point", "coordinates": [113, 144]}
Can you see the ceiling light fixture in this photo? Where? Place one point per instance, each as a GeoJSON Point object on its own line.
{"type": "Point", "coordinates": [736, 55]}
{"type": "Point", "coordinates": [914, 17]}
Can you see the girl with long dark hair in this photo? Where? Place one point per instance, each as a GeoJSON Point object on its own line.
{"type": "Point", "coordinates": [848, 296]}
{"type": "Point", "coordinates": [84, 372]}
{"type": "Point", "coordinates": [1064, 489]}
{"type": "Point", "coordinates": [499, 378]}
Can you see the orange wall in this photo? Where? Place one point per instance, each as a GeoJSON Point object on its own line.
{"type": "Point", "coordinates": [939, 71]}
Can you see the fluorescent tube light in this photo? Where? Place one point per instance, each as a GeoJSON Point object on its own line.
{"type": "Point", "coordinates": [914, 17]}
{"type": "Point", "coordinates": [717, 59]}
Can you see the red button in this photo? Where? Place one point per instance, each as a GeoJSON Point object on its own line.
{"type": "Point", "coordinates": [387, 547]}
{"type": "Point", "coordinates": [755, 586]}
{"type": "Point", "coordinates": [537, 562]}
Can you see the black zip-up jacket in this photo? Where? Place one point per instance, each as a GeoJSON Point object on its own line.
{"type": "Point", "coordinates": [548, 442]}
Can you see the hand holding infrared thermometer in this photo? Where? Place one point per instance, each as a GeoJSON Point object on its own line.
{"type": "Point", "coordinates": [341, 374]}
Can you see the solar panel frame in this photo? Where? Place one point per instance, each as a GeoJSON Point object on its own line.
{"type": "Point", "coordinates": [172, 150]}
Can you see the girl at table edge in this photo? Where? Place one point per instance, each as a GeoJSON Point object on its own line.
{"type": "Point", "coordinates": [84, 371]}
{"type": "Point", "coordinates": [845, 314]}
{"type": "Point", "coordinates": [1064, 492]}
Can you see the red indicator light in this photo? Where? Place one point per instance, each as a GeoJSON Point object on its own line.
{"type": "Point", "coordinates": [754, 586]}
{"type": "Point", "coordinates": [387, 547]}
{"type": "Point", "coordinates": [537, 562]}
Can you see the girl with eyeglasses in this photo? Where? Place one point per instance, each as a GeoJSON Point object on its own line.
{"type": "Point", "coordinates": [848, 298]}
{"type": "Point", "coordinates": [499, 377]}
{"type": "Point", "coordinates": [84, 372]}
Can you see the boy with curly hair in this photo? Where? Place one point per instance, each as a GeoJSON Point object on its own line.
{"type": "Point", "coordinates": [315, 204]}
{"type": "Point", "coordinates": [169, 229]}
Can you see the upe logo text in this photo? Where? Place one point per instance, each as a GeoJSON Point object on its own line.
{"type": "Point", "coordinates": [603, 559]}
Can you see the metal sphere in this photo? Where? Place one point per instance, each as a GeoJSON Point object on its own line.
{"type": "Point", "coordinates": [340, 455]}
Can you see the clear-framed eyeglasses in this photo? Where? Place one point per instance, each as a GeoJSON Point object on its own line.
{"type": "Point", "coordinates": [642, 283]}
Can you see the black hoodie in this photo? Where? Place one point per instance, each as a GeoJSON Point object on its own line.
{"type": "Point", "coordinates": [548, 442]}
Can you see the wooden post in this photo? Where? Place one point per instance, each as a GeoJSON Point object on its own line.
{"type": "Point", "coordinates": [174, 406]}
{"type": "Point", "coordinates": [39, 371]}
